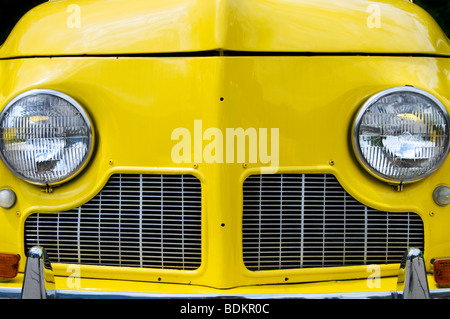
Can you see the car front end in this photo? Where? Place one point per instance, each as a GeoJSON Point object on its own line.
{"type": "Point", "coordinates": [251, 149]}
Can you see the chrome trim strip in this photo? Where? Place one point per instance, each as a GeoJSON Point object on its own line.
{"type": "Point", "coordinates": [124, 295]}
{"type": "Point", "coordinates": [15, 293]}
{"type": "Point", "coordinates": [10, 293]}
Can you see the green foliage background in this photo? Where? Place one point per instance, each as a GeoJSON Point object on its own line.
{"type": "Point", "coordinates": [12, 10]}
{"type": "Point", "coordinates": [440, 10]}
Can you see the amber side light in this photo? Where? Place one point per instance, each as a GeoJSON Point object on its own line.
{"type": "Point", "coordinates": [441, 269]}
{"type": "Point", "coordinates": [9, 265]}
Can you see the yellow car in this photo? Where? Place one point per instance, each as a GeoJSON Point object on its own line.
{"type": "Point", "coordinates": [225, 148]}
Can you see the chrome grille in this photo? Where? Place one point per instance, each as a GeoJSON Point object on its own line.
{"type": "Point", "coordinates": [148, 221]}
{"type": "Point", "coordinates": [304, 221]}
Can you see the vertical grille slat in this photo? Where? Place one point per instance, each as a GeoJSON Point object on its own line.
{"type": "Point", "coordinates": [146, 221]}
{"type": "Point", "coordinates": [308, 220]}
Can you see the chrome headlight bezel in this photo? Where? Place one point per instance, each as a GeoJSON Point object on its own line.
{"type": "Point", "coordinates": [371, 102]}
{"type": "Point", "coordinates": [78, 108]}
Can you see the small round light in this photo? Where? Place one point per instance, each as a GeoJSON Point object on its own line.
{"type": "Point", "coordinates": [441, 195]}
{"type": "Point", "coordinates": [7, 198]}
{"type": "Point", "coordinates": [45, 137]}
{"type": "Point", "coordinates": [401, 135]}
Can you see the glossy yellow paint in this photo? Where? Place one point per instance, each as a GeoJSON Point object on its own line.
{"type": "Point", "coordinates": [137, 102]}
{"type": "Point", "coordinates": [135, 26]}
{"type": "Point", "coordinates": [313, 100]}
{"type": "Point", "coordinates": [88, 285]}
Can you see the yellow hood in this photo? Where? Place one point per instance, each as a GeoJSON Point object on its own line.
{"type": "Point", "coordinates": [103, 27]}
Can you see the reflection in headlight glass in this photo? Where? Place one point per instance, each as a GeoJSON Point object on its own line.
{"type": "Point", "coordinates": [44, 138]}
{"type": "Point", "coordinates": [403, 136]}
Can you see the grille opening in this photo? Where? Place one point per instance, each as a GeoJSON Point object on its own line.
{"type": "Point", "coordinates": [146, 221]}
{"type": "Point", "coordinates": [308, 220]}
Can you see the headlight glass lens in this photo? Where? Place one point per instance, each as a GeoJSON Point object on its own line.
{"type": "Point", "coordinates": [402, 134]}
{"type": "Point", "coordinates": [46, 137]}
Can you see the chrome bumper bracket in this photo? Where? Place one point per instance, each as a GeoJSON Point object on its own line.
{"type": "Point", "coordinates": [39, 281]}
{"type": "Point", "coordinates": [412, 279]}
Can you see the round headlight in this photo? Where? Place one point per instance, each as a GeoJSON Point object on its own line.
{"type": "Point", "coordinates": [45, 137]}
{"type": "Point", "coordinates": [401, 135]}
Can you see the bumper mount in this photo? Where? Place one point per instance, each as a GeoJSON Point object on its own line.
{"type": "Point", "coordinates": [412, 283]}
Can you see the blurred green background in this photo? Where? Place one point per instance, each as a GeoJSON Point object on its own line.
{"type": "Point", "coordinates": [12, 10]}
{"type": "Point", "coordinates": [440, 10]}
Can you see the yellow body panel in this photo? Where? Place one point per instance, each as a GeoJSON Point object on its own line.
{"type": "Point", "coordinates": [73, 27]}
{"type": "Point", "coordinates": [313, 100]}
{"type": "Point", "coordinates": [320, 289]}
{"type": "Point", "coordinates": [136, 102]}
